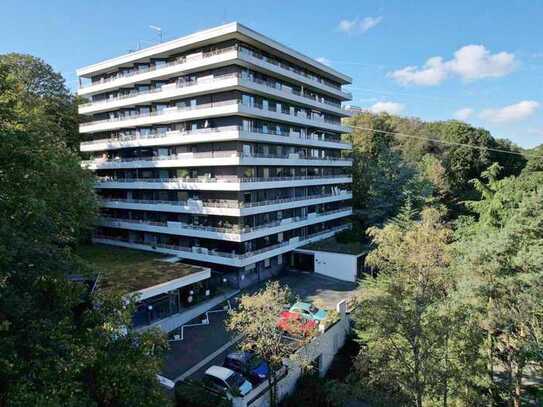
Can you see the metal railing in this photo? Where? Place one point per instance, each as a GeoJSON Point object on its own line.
{"type": "Point", "coordinates": [165, 111]}
{"type": "Point", "coordinates": [182, 133]}
{"type": "Point", "coordinates": [214, 252]}
{"type": "Point", "coordinates": [216, 79]}
{"type": "Point", "coordinates": [176, 85]}
{"type": "Point", "coordinates": [224, 179]}
{"type": "Point", "coordinates": [231, 228]}
{"type": "Point", "coordinates": [178, 109]}
{"type": "Point", "coordinates": [179, 61]}
{"type": "Point", "coordinates": [212, 154]}
{"type": "Point", "coordinates": [223, 203]}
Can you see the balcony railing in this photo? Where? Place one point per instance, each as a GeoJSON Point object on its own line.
{"type": "Point", "coordinates": [176, 85]}
{"type": "Point", "coordinates": [178, 109]}
{"type": "Point", "coordinates": [242, 50]}
{"type": "Point", "coordinates": [169, 110]}
{"type": "Point", "coordinates": [216, 79]}
{"type": "Point", "coordinates": [212, 154]}
{"type": "Point", "coordinates": [223, 179]}
{"type": "Point", "coordinates": [224, 203]}
{"type": "Point", "coordinates": [228, 228]}
{"type": "Point", "coordinates": [290, 68]}
{"type": "Point", "coordinates": [178, 62]}
{"type": "Point", "coordinates": [230, 255]}
{"type": "Point", "coordinates": [183, 133]}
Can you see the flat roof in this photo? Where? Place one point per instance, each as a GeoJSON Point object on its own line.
{"type": "Point", "coordinates": [127, 271]}
{"type": "Point", "coordinates": [209, 36]}
{"type": "Point", "coordinates": [333, 246]}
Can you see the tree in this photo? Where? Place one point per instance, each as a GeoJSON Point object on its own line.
{"type": "Point", "coordinates": [407, 322]}
{"type": "Point", "coordinates": [382, 181]}
{"type": "Point", "coordinates": [34, 98]}
{"type": "Point", "coordinates": [60, 346]}
{"type": "Point", "coordinates": [500, 257]}
{"type": "Point", "coordinates": [256, 320]}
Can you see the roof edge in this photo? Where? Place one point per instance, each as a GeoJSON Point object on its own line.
{"type": "Point", "coordinates": [205, 35]}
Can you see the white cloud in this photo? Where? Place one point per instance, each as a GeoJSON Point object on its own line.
{"type": "Point", "coordinates": [323, 60]}
{"type": "Point", "coordinates": [463, 114]}
{"type": "Point", "coordinates": [347, 25]}
{"type": "Point", "coordinates": [511, 113]}
{"type": "Point", "coordinates": [369, 22]}
{"type": "Point", "coordinates": [432, 73]}
{"type": "Point", "coordinates": [388, 107]}
{"type": "Point", "coordinates": [470, 62]}
{"type": "Point", "coordinates": [476, 62]}
{"type": "Point", "coordinates": [359, 26]}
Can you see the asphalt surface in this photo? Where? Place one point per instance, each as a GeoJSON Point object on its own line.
{"type": "Point", "coordinates": [202, 341]}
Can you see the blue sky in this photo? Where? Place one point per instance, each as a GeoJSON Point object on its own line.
{"type": "Point", "coordinates": [481, 61]}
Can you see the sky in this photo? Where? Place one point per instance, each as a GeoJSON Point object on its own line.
{"type": "Point", "coordinates": [478, 61]}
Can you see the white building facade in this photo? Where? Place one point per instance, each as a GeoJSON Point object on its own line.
{"type": "Point", "coordinates": [222, 147]}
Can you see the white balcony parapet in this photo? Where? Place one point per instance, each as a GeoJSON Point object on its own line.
{"type": "Point", "coordinates": [226, 133]}
{"type": "Point", "coordinates": [234, 233]}
{"type": "Point", "coordinates": [224, 183]}
{"type": "Point", "coordinates": [227, 107]}
{"type": "Point", "coordinates": [215, 256]}
{"type": "Point", "coordinates": [179, 64]}
{"type": "Point", "coordinates": [234, 158]}
{"type": "Point", "coordinates": [224, 207]}
{"type": "Point", "coordinates": [183, 64]}
{"type": "Point", "coordinates": [178, 89]}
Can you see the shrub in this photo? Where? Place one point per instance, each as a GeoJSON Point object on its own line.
{"type": "Point", "coordinates": [193, 394]}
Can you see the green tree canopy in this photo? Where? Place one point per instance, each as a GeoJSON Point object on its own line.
{"type": "Point", "coordinates": [499, 258]}
{"type": "Point", "coordinates": [35, 98]}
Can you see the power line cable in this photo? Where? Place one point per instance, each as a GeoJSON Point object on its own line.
{"type": "Point", "coordinates": [497, 150]}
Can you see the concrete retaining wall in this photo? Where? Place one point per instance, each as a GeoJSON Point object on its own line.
{"type": "Point", "coordinates": [322, 349]}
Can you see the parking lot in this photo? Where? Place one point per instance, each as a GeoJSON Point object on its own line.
{"type": "Point", "coordinates": [207, 345]}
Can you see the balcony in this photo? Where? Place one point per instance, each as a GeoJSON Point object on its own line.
{"type": "Point", "coordinates": [219, 158]}
{"type": "Point", "coordinates": [224, 183]}
{"type": "Point", "coordinates": [219, 57]}
{"type": "Point", "coordinates": [216, 109]}
{"type": "Point", "coordinates": [182, 64]}
{"type": "Point", "coordinates": [206, 85]}
{"type": "Point", "coordinates": [226, 133]}
{"type": "Point", "coordinates": [235, 233]}
{"type": "Point", "coordinates": [224, 207]}
{"type": "Point", "coordinates": [218, 257]}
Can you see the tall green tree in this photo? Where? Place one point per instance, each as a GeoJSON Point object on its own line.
{"type": "Point", "coordinates": [59, 345]}
{"type": "Point", "coordinates": [382, 181]}
{"type": "Point", "coordinates": [500, 259]}
{"type": "Point", "coordinates": [35, 98]}
{"type": "Point", "coordinates": [418, 346]}
{"type": "Point", "coordinates": [256, 321]}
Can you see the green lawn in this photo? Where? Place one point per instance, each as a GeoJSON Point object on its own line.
{"type": "Point", "coordinates": [126, 270]}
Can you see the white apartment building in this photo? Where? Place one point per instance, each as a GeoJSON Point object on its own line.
{"type": "Point", "coordinates": [222, 147]}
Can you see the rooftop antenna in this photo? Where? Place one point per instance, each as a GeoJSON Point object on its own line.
{"type": "Point", "coordinates": [159, 31]}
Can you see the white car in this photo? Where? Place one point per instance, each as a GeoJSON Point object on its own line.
{"type": "Point", "coordinates": [224, 380]}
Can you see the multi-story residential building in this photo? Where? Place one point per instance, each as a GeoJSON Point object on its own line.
{"type": "Point", "coordinates": [222, 147]}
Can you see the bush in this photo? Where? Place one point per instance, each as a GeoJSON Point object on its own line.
{"type": "Point", "coordinates": [193, 394]}
{"type": "Point", "coordinates": [312, 390]}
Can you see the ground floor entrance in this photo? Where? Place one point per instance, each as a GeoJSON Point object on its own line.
{"type": "Point", "coordinates": [302, 262]}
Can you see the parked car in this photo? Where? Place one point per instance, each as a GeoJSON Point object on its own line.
{"type": "Point", "coordinates": [249, 365]}
{"type": "Point", "coordinates": [309, 311]}
{"type": "Point", "coordinates": [294, 324]}
{"type": "Point", "coordinates": [226, 381]}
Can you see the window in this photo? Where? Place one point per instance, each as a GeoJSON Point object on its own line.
{"type": "Point", "coordinates": [267, 263]}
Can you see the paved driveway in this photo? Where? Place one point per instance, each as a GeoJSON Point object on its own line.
{"type": "Point", "coordinates": [324, 292]}
{"type": "Point", "coordinates": [213, 341]}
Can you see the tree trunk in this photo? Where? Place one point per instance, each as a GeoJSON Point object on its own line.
{"type": "Point", "coordinates": [517, 391]}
